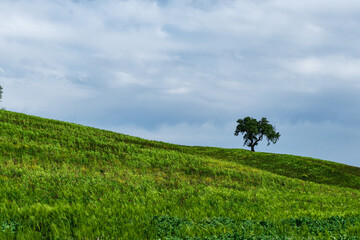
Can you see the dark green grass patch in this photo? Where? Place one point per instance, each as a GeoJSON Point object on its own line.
{"type": "Point", "coordinates": [335, 227]}
{"type": "Point", "coordinates": [308, 169]}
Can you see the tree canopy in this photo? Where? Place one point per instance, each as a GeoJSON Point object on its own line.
{"type": "Point", "coordinates": [254, 131]}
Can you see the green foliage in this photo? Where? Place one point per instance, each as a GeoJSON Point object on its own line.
{"type": "Point", "coordinates": [225, 228]}
{"type": "Point", "coordinates": [65, 181]}
{"type": "Point", "coordinates": [254, 131]}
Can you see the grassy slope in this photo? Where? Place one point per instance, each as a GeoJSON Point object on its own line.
{"type": "Point", "coordinates": [65, 180]}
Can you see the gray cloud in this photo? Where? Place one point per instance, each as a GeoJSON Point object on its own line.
{"type": "Point", "coordinates": [184, 71]}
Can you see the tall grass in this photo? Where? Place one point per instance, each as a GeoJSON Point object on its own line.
{"type": "Point", "coordinates": [65, 181]}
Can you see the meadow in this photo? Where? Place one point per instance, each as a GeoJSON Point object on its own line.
{"type": "Point", "coordinates": [62, 180]}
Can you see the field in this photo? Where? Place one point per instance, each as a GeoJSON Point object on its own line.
{"type": "Point", "coordinates": [61, 180]}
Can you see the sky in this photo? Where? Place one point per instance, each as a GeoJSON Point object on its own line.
{"type": "Point", "coordinates": [184, 71]}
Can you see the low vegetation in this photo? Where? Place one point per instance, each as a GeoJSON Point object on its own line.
{"type": "Point", "coordinates": [65, 181]}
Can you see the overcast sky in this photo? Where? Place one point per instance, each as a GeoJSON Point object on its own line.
{"type": "Point", "coordinates": [184, 71]}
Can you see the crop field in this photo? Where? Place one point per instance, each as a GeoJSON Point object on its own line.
{"type": "Point", "coordinates": [61, 180]}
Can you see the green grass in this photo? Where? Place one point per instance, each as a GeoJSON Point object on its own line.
{"type": "Point", "coordinates": [66, 181]}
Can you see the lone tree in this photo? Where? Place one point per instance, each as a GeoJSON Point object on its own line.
{"type": "Point", "coordinates": [254, 131]}
{"type": "Point", "coordinates": [1, 92]}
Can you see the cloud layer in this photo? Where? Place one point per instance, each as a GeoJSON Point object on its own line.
{"type": "Point", "coordinates": [184, 71]}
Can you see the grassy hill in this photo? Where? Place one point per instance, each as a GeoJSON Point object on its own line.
{"type": "Point", "coordinates": [66, 181]}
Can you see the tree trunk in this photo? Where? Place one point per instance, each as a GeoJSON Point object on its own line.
{"type": "Point", "coordinates": [252, 148]}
